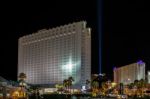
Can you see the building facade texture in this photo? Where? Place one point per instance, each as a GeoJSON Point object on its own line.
{"type": "Point", "coordinates": [129, 73]}
{"type": "Point", "coordinates": [52, 55]}
{"type": "Point", "coordinates": [148, 76]}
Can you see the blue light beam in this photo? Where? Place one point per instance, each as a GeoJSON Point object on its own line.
{"type": "Point", "coordinates": [100, 30]}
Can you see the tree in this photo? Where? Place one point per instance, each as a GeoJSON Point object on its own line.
{"type": "Point", "coordinates": [136, 82]}
{"type": "Point", "coordinates": [22, 76]}
{"type": "Point", "coordinates": [142, 84]}
{"type": "Point", "coordinates": [22, 83]}
{"type": "Point", "coordinates": [121, 89]}
{"type": "Point", "coordinates": [65, 83]}
{"type": "Point", "coordinates": [95, 84]}
{"type": "Point", "coordinates": [95, 87]}
{"type": "Point", "coordinates": [70, 80]}
{"type": "Point", "coordinates": [105, 88]}
{"type": "Point", "coordinates": [131, 85]}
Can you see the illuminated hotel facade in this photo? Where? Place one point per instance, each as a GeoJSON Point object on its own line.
{"type": "Point", "coordinates": [148, 77]}
{"type": "Point", "coordinates": [50, 56]}
{"type": "Point", "coordinates": [129, 73]}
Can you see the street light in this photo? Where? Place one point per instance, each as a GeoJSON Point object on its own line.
{"type": "Point", "coordinates": [22, 84]}
{"type": "Point", "coordinates": [129, 80]}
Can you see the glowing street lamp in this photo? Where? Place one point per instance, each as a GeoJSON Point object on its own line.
{"type": "Point", "coordinates": [22, 84]}
{"type": "Point", "coordinates": [113, 84]}
{"type": "Point", "coordinates": [129, 80]}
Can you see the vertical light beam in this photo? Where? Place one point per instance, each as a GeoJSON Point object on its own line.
{"type": "Point", "coordinates": [100, 30]}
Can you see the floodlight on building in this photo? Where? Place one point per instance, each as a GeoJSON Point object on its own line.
{"type": "Point", "coordinates": [148, 72]}
{"type": "Point", "coordinates": [69, 65]}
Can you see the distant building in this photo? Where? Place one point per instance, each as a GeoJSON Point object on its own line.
{"type": "Point", "coordinates": [129, 73]}
{"type": "Point", "coordinates": [8, 83]}
{"type": "Point", "coordinates": [148, 76]}
{"type": "Point", "coordinates": [6, 88]}
{"type": "Point", "coordinates": [3, 82]}
{"type": "Point", "coordinates": [50, 56]}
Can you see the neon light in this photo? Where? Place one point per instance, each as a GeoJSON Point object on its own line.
{"type": "Point", "coordinates": [114, 68]}
{"type": "Point", "coordinates": [140, 62]}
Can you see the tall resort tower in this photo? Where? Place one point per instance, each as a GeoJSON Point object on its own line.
{"type": "Point", "coordinates": [52, 55]}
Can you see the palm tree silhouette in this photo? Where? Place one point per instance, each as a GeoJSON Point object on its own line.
{"type": "Point", "coordinates": [22, 77]}
{"type": "Point", "coordinates": [65, 83]}
{"type": "Point", "coordinates": [70, 80]}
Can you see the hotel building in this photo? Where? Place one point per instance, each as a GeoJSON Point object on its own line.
{"type": "Point", "coordinates": [129, 73]}
{"type": "Point", "coordinates": [52, 55]}
{"type": "Point", "coordinates": [148, 77]}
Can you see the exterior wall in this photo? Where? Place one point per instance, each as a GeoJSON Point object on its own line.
{"type": "Point", "coordinates": [148, 76]}
{"type": "Point", "coordinates": [129, 73]}
{"type": "Point", "coordinates": [86, 56]}
{"type": "Point", "coordinates": [50, 56]}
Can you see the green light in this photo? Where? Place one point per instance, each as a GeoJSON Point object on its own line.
{"type": "Point", "coordinates": [70, 69]}
{"type": "Point", "coordinates": [69, 66]}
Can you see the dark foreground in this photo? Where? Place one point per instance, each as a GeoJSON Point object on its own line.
{"type": "Point", "coordinates": [63, 96]}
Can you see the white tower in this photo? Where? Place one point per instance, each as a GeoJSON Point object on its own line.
{"type": "Point", "coordinates": [50, 56]}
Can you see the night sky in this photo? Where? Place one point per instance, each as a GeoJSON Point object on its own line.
{"type": "Point", "coordinates": [125, 37]}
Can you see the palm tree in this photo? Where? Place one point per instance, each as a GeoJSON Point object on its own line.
{"type": "Point", "coordinates": [104, 87]}
{"type": "Point", "coordinates": [22, 77]}
{"type": "Point", "coordinates": [142, 84]}
{"type": "Point", "coordinates": [95, 86]}
{"type": "Point", "coordinates": [131, 85]}
{"type": "Point", "coordinates": [70, 80]}
{"type": "Point", "coordinates": [136, 82]}
{"type": "Point", "coordinates": [65, 83]}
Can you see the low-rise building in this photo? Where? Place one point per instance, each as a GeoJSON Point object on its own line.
{"type": "Point", "coordinates": [129, 73]}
